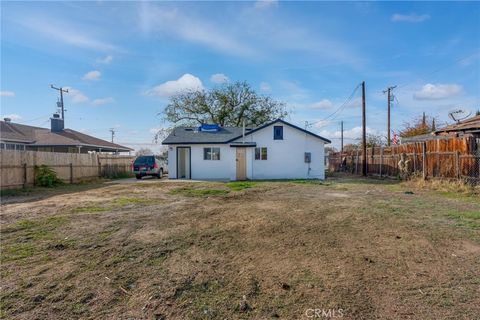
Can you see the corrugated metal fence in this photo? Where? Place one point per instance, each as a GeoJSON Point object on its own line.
{"type": "Point", "coordinates": [18, 167]}
{"type": "Point", "coordinates": [457, 158]}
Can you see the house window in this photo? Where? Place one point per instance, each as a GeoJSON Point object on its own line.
{"type": "Point", "coordinates": [2, 145]}
{"type": "Point", "coordinates": [10, 146]}
{"type": "Point", "coordinates": [211, 153]}
{"type": "Point", "coordinates": [20, 147]}
{"type": "Point", "coordinates": [261, 153]}
{"type": "Point", "coordinates": [277, 133]}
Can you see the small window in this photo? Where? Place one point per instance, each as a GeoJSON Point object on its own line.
{"type": "Point", "coordinates": [2, 146]}
{"type": "Point", "coordinates": [211, 153]}
{"type": "Point", "coordinates": [308, 157]}
{"type": "Point", "coordinates": [10, 146]}
{"type": "Point", "coordinates": [261, 153]}
{"type": "Point", "coordinates": [277, 133]}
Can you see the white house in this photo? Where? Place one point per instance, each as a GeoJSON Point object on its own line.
{"type": "Point", "coordinates": [276, 150]}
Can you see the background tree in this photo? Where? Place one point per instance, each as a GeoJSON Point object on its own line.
{"type": "Point", "coordinates": [227, 105]}
{"type": "Point", "coordinates": [350, 147]}
{"type": "Point", "coordinates": [143, 152]}
{"type": "Point", "coordinates": [420, 125]}
{"type": "Point", "coordinates": [374, 140]}
{"type": "Point", "coordinates": [330, 149]}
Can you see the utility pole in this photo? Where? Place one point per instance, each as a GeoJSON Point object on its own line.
{"type": "Point", "coordinates": [61, 98]}
{"type": "Point", "coordinates": [389, 99]}
{"type": "Point", "coordinates": [341, 139]}
{"type": "Point", "coordinates": [364, 131]}
{"type": "Point", "coordinates": [112, 130]}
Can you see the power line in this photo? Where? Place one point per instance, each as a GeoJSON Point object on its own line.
{"type": "Point", "coordinates": [439, 69]}
{"type": "Point", "coordinates": [339, 109]}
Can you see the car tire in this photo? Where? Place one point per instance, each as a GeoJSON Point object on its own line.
{"type": "Point", "coordinates": [138, 177]}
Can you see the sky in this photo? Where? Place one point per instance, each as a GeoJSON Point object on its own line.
{"type": "Point", "coordinates": [121, 61]}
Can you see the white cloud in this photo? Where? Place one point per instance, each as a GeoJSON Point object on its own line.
{"type": "Point", "coordinates": [102, 101]}
{"type": "Point", "coordinates": [265, 87]}
{"type": "Point", "coordinates": [13, 117]}
{"type": "Point", "coordinates": [264, 4]}
{"type": "Point", "coordinates": [219, 78]}
{"type": "Point", "coordinates": [76, 95]}
{"type": "Point", "coordinates": [438, 91]}
{"type": "Point", "coordinates": [105, 60]}
{"type": "Point", "coordinates": [179, 25]}
{"type": "Point", "coordinates": [323, 104]}
{"type": "Point", "coordinates": [187, 82]}
{"type": "Point", "coordinates": [7, 94]}
{"type": "Point", "coordinates": [352, 134]}
{"type": "Point", "coordinates": [92, 75]}
{"type": "Point", "coordinates": [55, 29]}
{"type": "Point", "coordinates": [413, 17]}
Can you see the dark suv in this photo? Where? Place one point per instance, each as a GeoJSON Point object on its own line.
{"type": "Point", "coordinates": [148, 166]}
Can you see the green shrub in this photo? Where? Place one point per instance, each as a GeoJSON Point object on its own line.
{"type": "Point", "coordinates": [46, 176]}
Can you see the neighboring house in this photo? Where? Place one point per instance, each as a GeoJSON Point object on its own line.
{"type": "Point", "coordinates": [276, 150]}
{"type": "Point", "coordinates": [466, 128]}
{"type": "Point", "coordinates": [463, 129]}
{"type": "Point", "coordinates": [15, 136]}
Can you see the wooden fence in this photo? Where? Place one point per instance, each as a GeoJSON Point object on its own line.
{"type": "Point", "coordinates": [17, 168]}
{"type": "Point", "coordinates": [457, 158]}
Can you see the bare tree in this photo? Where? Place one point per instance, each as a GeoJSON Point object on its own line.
{"type": "Point", "coordinates": [227, 105]}
{"type": "Point", "coordinates": [143, 152]}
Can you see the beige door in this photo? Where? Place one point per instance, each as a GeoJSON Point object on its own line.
{"type": "Point", "coordinates": [241, 164]}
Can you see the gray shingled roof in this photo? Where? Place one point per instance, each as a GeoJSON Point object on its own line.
{"type": "Point", "coordinates": [191, 135]}
{"type": "Point", "coordinates": [36, 136]}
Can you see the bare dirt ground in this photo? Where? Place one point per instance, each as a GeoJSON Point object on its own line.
{"type": "Point", "coordinates": [350, 248]}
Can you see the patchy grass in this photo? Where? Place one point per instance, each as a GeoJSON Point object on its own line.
{"type": "Point", "coordinates": [91, 209]}
{"type": "Point", "coordinates": [310, 182]}
{"type": "Point", "coordinates": [18, 251]}
{"type": "Point", "coordinates": [115, 204]}
{"type": "Point", "coordinates": [123, 201]}
{"type": "Point", "coordinates": [15, 192]}
{"type": "Point", "coordinates": [362, 245]}
{"type": "Point", "coordinates": [241, 185]}
{"type": "Point", "coordinates": [198, 192]}
{"type": "Point", "coordinates": [469, 219]}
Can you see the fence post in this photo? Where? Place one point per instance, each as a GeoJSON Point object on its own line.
{"type": "Point", "coordinates": [24, 175]}
{"type": "Point", "coordinates": [457, 164]}
{"type": "Point", "coordinates": [414, 161]}
{"type": "Point", "coordinates": [424, 160]}
{"type": "Point", "coordinates": [71, 173]}
{"type": "Point", "coordinates": [381, 161]}
{"type": "Point", "coordinates": [356, 164]}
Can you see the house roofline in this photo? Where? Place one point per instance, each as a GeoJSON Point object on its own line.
{"type": "Point", "coordinates": [216, 142]}
{"type": "Point", "coordinates": [80, 145]}
{"type": "Point", "coordinates": [286, 123]}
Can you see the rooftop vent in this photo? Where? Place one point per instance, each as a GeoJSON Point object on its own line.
{"type": "Point", "coordinates": [7, 119]}
{"type": "Point", "coordinates": [209, 128]}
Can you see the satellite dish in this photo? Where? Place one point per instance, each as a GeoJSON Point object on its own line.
{"type": "Point", "coordinates": [459, 115]}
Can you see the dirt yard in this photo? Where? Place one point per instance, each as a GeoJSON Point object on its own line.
{"type": "Point", "coordinates": [351, 249]}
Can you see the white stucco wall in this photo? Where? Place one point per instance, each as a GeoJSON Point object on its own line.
{"type": "Point", "coordinates": [285, 158]}
{"type": "Point", "coordinates": [205, 169]}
